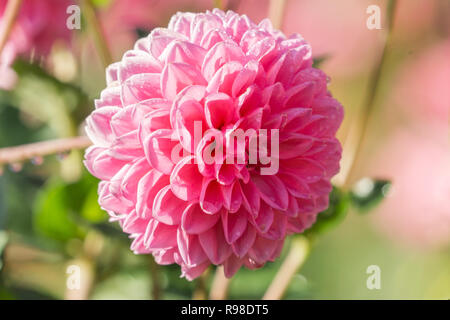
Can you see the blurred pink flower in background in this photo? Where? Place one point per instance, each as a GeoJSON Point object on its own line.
{"type": "Point", "coordinates": [417, 157]}
{"type": "Point", "coordinates": [337, 29]}
{"type": "Point", "coordinates": [415, 18]}
{"type": "Point", "coordinates": [423, 86]}
{"type": "Point", "coordinates": [122, 18]}
{"type": "Point", "coordinates": [8, 77]}
{"type": "Point", "coordinates": [417, 210]}
{"type": "Point", "coordinates": [227, 73]}
{"type": "Point", "coordinates": [39, 24]}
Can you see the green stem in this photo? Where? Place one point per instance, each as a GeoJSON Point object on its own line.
{"type": "Point", "coordinates": [276, 12]}
{"type": "Point", "coordinates": [156, 279]}
{"type": "Point", "coordinates": [97, 32]}
{"type": "Point", "coordinates": [218, 4]}
{"type": "Point", "coordinates": [369, 103]}
{"type": "Point", "coordinates": [296, 257]}
{"type": "Point", "coordinates": [200, 291]}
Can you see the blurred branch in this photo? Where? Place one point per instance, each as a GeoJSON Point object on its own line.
{"type": "Point", "coordinates": [219, 287]}
{"type": "Point", "coordinates": [276, 12]}
{"type": "Point", "coordinates": [8, 20]}
{"type": "Point", "coordinates": [17, 154]}
{"type": "Point", "coordinates": [218, 4]}
{"type": "Point", "coordinates": [200, 291]}
{"type": "Point", "coordinates": [296, 257]}
{"type": "Point", "coordinates": [156, 279]}
{"type": "Point", "coordinates": [359, 129]}
{"type": "Point", "coordinates": [97, 31]}
{"type": "Point", "coordinates": [93, 246]}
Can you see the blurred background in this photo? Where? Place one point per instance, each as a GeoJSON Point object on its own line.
{"type": "Point", "coordinates": [49, 216]}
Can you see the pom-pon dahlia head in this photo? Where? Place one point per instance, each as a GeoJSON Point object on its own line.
{"type": "Point", "coordinates": [214, 86]}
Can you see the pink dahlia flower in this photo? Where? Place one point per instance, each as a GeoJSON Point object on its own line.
{"type": "Point", "coordinates": [210, 75]}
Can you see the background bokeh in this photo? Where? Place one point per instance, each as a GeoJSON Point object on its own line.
{"type": "Point", "coordinates": [49, 216]}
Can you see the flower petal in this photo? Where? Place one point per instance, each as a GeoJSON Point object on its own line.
{"type": "Point", "coordinates": [219, 110]}
{"type": "Point", "coordinates": [272, 191]}
{"type": "Point", "coordinates": [195, 221]}
{"type": "Point", "coordinates": [211, 196]}
{"type": "Point", "coordinates": [160, 236]}
{"type": "Point", "coordinates": [234, 224]}
{"type": "Point", "coordinates": [186, 180]}
{"type": "Point", "coordinates": [158, 148]}
{"type": "Point", "coordinates": [176, 76]}
{"type": "Point", "coordinates": [190, 249]}
{"type": "Point", "coordinates": [214, 244]}
{"type": "Point", "coordinates": [167, 208]}
{"type": "Point", "coordinates": [245, 242]}
{"type": "Point", "coordinates": [147, 189]}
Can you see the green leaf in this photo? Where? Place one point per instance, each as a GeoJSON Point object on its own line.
{"type": "Point", "coordinates": [54, 99]}
{"type": "Point", "coordinates": [336, 212]}
{"type": "Point", "coordinates": [23, 67]}
{"type": "Point", "coordinates": [78, 192]}
{"type": "Point", "coordinates": [317, 61]}
{"type": "Point", "coordinates": [17, 292]}
{"type": "Point", "coordinates": [3, 242]}
{"type": "Point", "coordinates": [101, 3]}
{"type": "Point", "coordinates": [64, 211]}
{"type": "Point", "coordinates": [6, 294]}
{"type": "Point", "coordinates": [91, 210]}
{"type": "Point", "coordinates": [368, 193]}
{"type": "Point", "coordinates": [52, 214]}
{"type": "Point", "coordinates": [141, 32]}
{"type": "Point", "coordinates": [126, 284]}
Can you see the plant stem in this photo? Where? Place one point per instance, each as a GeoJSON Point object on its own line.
{"type": "Point", "coordinates": [218, 4]}
{"type": "Point", "coordinates": [219, 287]}
{"type": "Point", "coordinates": [156, 279]}
{"type": "Point", "coordinates": [276, 12]}
{"type": "Point", "coordinates": [93, 246]}
{"type": "Point", "coordinates": [97, 31]}
{"type": "Point", "coordinates": [17, 154]}
{"type": "Point", "coordinates": [358, 132]}
{"type": "Point", "coordinates": [200, 292]}
{"type": "Point", "coordinates": [9, 18]}
{"type": "Point", "coordinates": [296, 257]}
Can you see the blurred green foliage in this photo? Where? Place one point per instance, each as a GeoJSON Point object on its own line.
{"type": "Point", "coordinates": [335, 213]}
{"type": "Point", "coordinates": [372, 198]}
{"type": "Point", "coordinates": [62, 210]}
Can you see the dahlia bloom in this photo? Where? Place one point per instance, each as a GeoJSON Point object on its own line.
{"type": "Point", "coordinates": [38, 25]}
{"type": "Point", "coordinates": [226, 73]}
